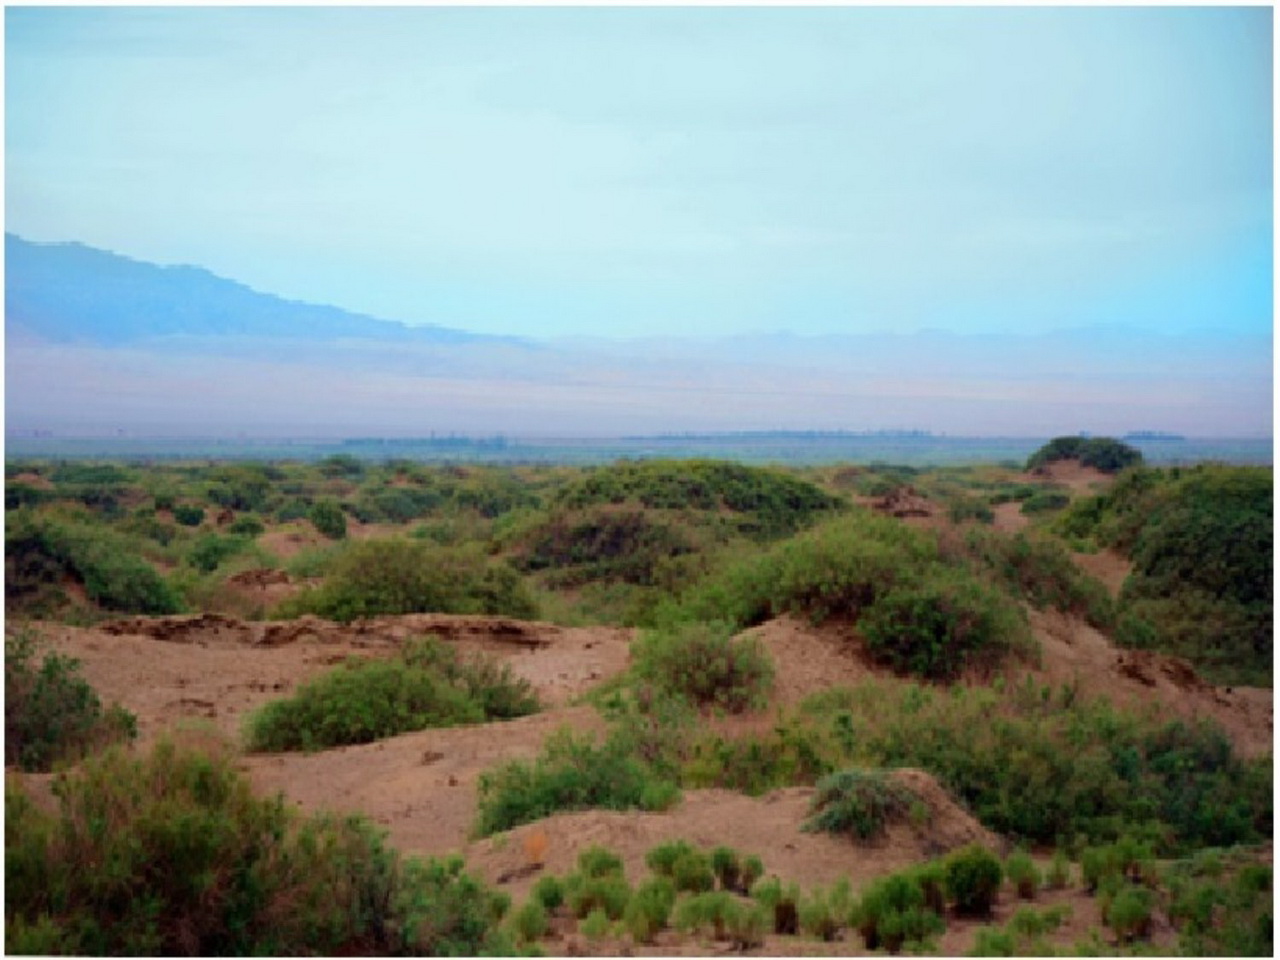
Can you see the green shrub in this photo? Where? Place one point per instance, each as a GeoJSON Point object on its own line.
{"type": "Point", "coordinates": [171, 854]}
{"type": "Point", "coordinates": [209, 551]}
{"type": "Point", "coordinates": [188, 514]}
{"type": "Point", "coordinates": [692, 872]}
{"type": "Point", "coordinates": [706, 664]}
{"type": "Point", "coordinates": [973, 880]}
{"type": "Point", "coordinates": [328, 519]}
{"type": "Point", "coordinates": [662, 858]}
{"type": "Point", "coordinates": [938, 628]}
{"type": "Point", "coordinates": [367, 700]}
{"type": "Point", "coordinates": [747, 926]}
{"type": "Point", "coordinates": [1129, 913]}
{"type": "Point", "coordinates": [713, 911]}
{"type": "Point", "coordinates": [817, 918]}
{"type": "Point", "coordinates": [1059, 875]}
{"type": "Point", "coordinates": [752, 870]}
{"type": "Point", "coordinates": [40, 551]}
{"type": "Point", "coordinates": [597, 861]}
{"type": "Point", "coordinates": [1023, 874]}
{"type": "Point", "coordinates": [1101, 453]}
{"type": "Point", "coordinates": [1045, 502]}
{"type": "Point", "coordinates": [860, 803]}
{"type": "Point", "coordinates": [246, 525]}
{"type": "Point", "coordinates": [608, 893]}
{"type": "Point", "coordinates": [649, 909]}
{"type": "Point", "coordinates": [570, 774]}
{"type": "Point", "coordinates": [50, 712]}
{"type": "Point", "coordinates": [595, 925]}
{"type": "Point", "coordinates": [894, 911]}
{"type": "Point", "coordinates": [384, 577]}
{"type": "Point", "coordinates": [530, 922]}
{"type": "Point", "coordinates": [727, 867]}
{"type": "Point", "coordinates": [549, 891]}
{"type": "Point", "coordinates": [783, 903]}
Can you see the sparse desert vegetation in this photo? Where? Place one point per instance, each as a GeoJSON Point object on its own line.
{"type": "Point", "coordinates": [259, 707]}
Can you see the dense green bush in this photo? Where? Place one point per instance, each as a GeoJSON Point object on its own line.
{"type": "Point", "coordinates": [1036, 763]}
{"type": "Point", "coordinates": [1202, 545]}
{"type": "Point", "coordinates": [210, 551]}
{"type": "Point", "coordinates": [763, 501]}
{"type": "Point", "coordinates": [571, 774]}
{"type": "Point", "coordinates": [171, 854]}
{"type": "Point", "coordinates": [1101, 453]}
{"type": "Point", "coordinates": [41, 550]}
{"type": "Point", "coordinates": [1045, 502]}
{"type": "Point", "coordinates": [327, 517]}
{"type": "Point", "coordinates": [782, 904]}
{"type": "Point", "coordinates": [860, 803]}
{"type": "Point", "coordinates": [893, 911]}
{"type": "Point", "coordinates": [705, 664]}
{"type": "Point", "coordinates": [938, 628]}
{"type": "Point", "coordinates": [366, 700]}
{"type": "Point", "coordinates": [649, 909]}
{"type": "Point", "coordinates": [395, 576]}
{"type": "Point", "coordinates": [973, 877]}
{"type": "Point", "coordinates": [1038, 570]}
{"type": "Point", "coordinates": [1023, 874]}
{"type": "Point", "coordinates": [50, 712]}
{"type": "Point", "coordinates": [188, 514]}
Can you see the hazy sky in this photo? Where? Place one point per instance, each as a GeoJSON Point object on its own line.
{"type": "Point", "coordinates": [667, 171]}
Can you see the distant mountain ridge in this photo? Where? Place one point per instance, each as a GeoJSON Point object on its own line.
{"type": "Point", "coordinates": [73, 293]}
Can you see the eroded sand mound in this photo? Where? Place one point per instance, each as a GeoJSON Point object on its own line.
{"type": "Point", "coordinates": [1074, 475]}
{"type": "Point", "coordinates": [768, 826]}
{"type": "Point", "coordinates": [219, 668]}
{"type": "Point", "coordinates": [1075, 652]}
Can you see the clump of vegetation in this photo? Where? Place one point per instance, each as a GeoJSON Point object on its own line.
{"type": "Point", "coordinates": [763, 501]}
{"type": "Point", "coordinates": [50, 712]}
{"type": "Point", "coordinates": [41, 550]}
{"type": "Point", "coordinates": [328, 519]}
{"type": "Point", "coordinates": [649, 909]}
{"type": "Point", "coordinates": [1045, 502]}
{"type": "Point", "coordinates": [171, 854]}
{"type": "Point", "coordinates": [922, 609]}
{"type": "Point", "coordinates": [973, 877]}
{"type": "Point", "coordinates": [782, 903]}
{"type": "Point", "coordinates": [860, 803]}
{"type": "Point", "coordinates": [894, 912]}
{"type": "Point", "coordinates": [1038, 570]}
{"type": "Point", "coordinates": [1023, 936]}
{"type": "Point", "coordinates": [1101, 453]}
{"type": "Point", "coordinates": [428, 685]}
{"type": "Point", "coordinates": [1202, 546]}
{"type": "Point", "coordinates": [1023, 874]}
{"type": "Point", "coordinates": [572, 773]}
{"type": "Point", "coordinates": [396, 576]}
{"type": "Point", "coordinates": [705, 664]}
{"type": "Point", "coordinates": [598, 884]}
{"type": "Point", "coordinates": [937, 628]}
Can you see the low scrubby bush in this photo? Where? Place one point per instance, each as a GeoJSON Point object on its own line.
{"type": "Point", "coordinates": [893, 911]}
{"type": "Point", "coordinates": [41, 550]}
{"type": "Point", "coordinates": [713, 911]}
{"type": "Point", "coordinates": [396, 576]}
{"type": "Point", "coordinates": [649, 909]}
{"type": "Point", "coordinates": [1101, 453]}
{"type": "Point", "coordinates": [973, 880]}
{"type": "Point", "coordinates": [366, 700]}
{"type": "Point", "coordinates": [50, 712]}
{"type": "Point", "coordinates": [572, 773]}
{"type": "Point", "coordinates": [328, 519]}
{"type": "Point", "coordinates": [1023, 874]}
{"type": "Point", "coordinates": [171, 854]}
{"type": "Point", "coordinates": [706, 664]}
{"type": "Point", "coordinates": [781, 902]}
{"type": "Point", "coordinates": [859, 803]}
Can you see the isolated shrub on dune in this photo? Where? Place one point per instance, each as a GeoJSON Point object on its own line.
{"type": "Point", "coordinates": [860, 803]}
{"type": "Point", "coordinates": [366, 700]}
{"type": "Point", "coordinates": [706, 664]}
{"type": "Point", "coordinates": [395, 576]}
{"type": "Point", "coordinates": [973, 880]}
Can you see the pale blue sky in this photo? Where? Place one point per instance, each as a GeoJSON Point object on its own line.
{"type": "Point", "coordinates": [667, 171]}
